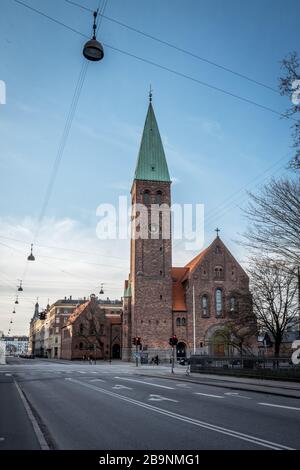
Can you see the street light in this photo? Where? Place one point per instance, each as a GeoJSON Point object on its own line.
{"type": "Point", "coordinates": [31, 257]}
{"type": "Point", "coordinates": [93, 49]}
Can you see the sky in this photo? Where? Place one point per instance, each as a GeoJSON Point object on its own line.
{"type": "Point", "coordinates": [218, 147]}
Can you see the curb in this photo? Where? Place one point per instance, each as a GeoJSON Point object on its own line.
{"type": "Point", "coordinates": [38, 432]}
{"type": "Point", "coordinates": [225, 385]}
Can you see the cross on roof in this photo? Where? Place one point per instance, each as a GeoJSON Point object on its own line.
{"type": "Point", "coordinates": [150, 93]}
{"type": "Point", "coordinates": [217, 230]}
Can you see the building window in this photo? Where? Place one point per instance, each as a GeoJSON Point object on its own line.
{"type": "Point", "coordinates": [160, 272]}
{"type": "Point", "coordinates": [218, 302]}
{"type": "Point", "coordinates": [57, 320]}
{"type": "Point", "coordinates": [204, 305]}
{"type": "Point", "coordinates": [183, 322]}
{"type": "Point", "coordinates": [178, 321]}
{"type": "Point", "coordinates": [160, 297]}
{"type": "Point", "coordinates": [232, 304]}
{"type": "Point", "coordinates": [80, 345]}
{"type": "Point", "coordinates": [158, 197]}
{"type": "Point", "coordinates": [218, 272]}
{"type": "Point", "coordinates": [157, 322]}
{"type": "Point", "coordinates": [81, 328]}
{"type": "Point", "coordinates": [217, 249]}
{"type": "Point", "coordinates": [146, 197]}
{"type": "Point", "coordinates": [57, 329]}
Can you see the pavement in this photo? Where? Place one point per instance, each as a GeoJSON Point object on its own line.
{"type": "Point", "coordinates": [120, 406]}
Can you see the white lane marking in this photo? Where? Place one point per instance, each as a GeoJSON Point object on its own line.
{"type": "Point", "coordinates": [8, 375]}
{"type": "Point", "coordinates": [237, 395]}
{"type": "Point", "coordinates": [183, 385]}
{"type": "Point", "coordinates": [209, 395]}
{"type": "Point", "coordinates": [97, 380]}
{"type": "Point", "coordinates": [2, 438]}
{"type": "Point", "coordinates": [146, 383]}
{"type": "Point", "coordinates": [280, 406]}
{"type": "Point", "coordinates": [40, 436]}
{"type": "Point", "coordinates": [230, 432]}
{"type": "Point", "coordinates": [80, 372]}
{"type": "Point", "coordinates": [119, 387]}
{"type": "Point", "coordinates": [93, 372]}
{"type": "Point", "coordinates": [160, 398]}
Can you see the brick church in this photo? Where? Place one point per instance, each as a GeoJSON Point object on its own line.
{"type": "Point", "coordinates": [199, 302]}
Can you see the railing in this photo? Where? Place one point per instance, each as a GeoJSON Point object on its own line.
{"type": "Point", "coordinates": [252, 366]}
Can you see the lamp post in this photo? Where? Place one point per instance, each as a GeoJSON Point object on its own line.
{"type": "Point", "coordinates": [194, 322]}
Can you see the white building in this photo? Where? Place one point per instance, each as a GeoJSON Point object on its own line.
{"type": "Point", "coordinates": [16, 345]}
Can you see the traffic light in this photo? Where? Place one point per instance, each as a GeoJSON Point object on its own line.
{"type": "Point", "coordinates": [136, 341]}
{"type": "Point", "coordinates": [173, 340]}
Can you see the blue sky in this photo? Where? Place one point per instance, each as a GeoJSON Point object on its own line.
{"type": "Point", "coordinates": [216, 146]}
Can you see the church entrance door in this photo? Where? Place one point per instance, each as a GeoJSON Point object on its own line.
{"type": "Point", "coordinates": [116, 351]}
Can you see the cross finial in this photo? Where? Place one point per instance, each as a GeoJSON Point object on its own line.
{"type": "Point", "coordinates": [217, 230]}
{"type": "Point", "coordinates": [150, 94]}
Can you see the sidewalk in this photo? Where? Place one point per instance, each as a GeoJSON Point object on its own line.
{"type": "Point", "coordinates": [274, 387]}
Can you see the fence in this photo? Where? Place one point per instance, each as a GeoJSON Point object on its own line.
{"type": "Point", "coordinates": [247, 366]}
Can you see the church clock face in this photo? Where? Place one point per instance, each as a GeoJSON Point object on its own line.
{"type": "Point", "coordinates": [153, 228]}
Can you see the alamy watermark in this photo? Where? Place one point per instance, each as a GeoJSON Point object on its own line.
{"type": "Point", "coordinates": [153, 221]}
{"type": "Point", "coordinates": [2, 92]}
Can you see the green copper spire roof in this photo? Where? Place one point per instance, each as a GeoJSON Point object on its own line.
{"type": "Point", "coordinates": [151, 164]}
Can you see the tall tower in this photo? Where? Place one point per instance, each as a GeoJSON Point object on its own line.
{"type": "Point", "coordinates": [150, 284]}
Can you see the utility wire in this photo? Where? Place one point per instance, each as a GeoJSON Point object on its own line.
{"type": "Point", "coordinates": [173, 46]}
{"type": "Point", "coordinates": [175, 72]}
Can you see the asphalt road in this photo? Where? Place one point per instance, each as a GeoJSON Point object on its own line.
{"type": "Point", "coordinates": [82, 406]}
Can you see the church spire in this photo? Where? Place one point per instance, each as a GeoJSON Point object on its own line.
{"type": "Point", "coordinates": [151, 164]}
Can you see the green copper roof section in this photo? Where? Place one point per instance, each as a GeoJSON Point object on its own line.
{"type": "Point", "coordinates": [151, 164]}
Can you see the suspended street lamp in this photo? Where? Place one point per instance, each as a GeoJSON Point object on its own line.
{"type": "Point", "coordinates": [101, 289]}
{"type": "Point", "coordinates": [16, 301]}
{"type": "Point", "coordinates": [31, 257]}
{"type": "Point", "coordinates": [20, 288]}
{"type": "Point", "coordinates": [14, 311]}
{"type": "Point", "coordinates": [93, 49]}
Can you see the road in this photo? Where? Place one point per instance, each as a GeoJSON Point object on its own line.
{"type": "Point", "coordinates": [83, 406]}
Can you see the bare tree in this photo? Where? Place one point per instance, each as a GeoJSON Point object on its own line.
{"type": "Point", "coordinates": [274, 290]}
{"type": "Point", "coordinates": [91, 329]}
{"type": "Point", "coordinates": [274, 217]}
{"type": "Point", "coordinates": [289, 85]}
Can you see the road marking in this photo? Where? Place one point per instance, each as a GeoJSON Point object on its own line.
{"type": "Point", "coordinates": [160, 398]}
{"type": "Point", "coordinates": [80, 372]}
{"type": "Point", "coordinates": [8, 375]}
{"type": "Point", "coordinates": [183, 385]}
{"type": "Point", "coordinates": [209, 395]}
{"type": "Point", "coordinates": [2, 438]}
{"type": "Point", "coordinates": [229, 432]}
{"type": "Point", "coordinates": [280, 406]}
{"type": "Point", "coordinates": [97, 380]}
{"type": "Point", "coordinates": [40, 436]}
{"type": "Point", "coordinates": [119, 387]}
{"type": "Point", "coordinates": [237, 395]}
{"type": "Point", "coordinates": [146, 383]}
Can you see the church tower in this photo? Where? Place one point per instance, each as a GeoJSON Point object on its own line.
{"type": "Point", "coordinates": [148, 291]}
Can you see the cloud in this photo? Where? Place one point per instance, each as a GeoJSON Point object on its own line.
{"type": "Point", "coordinates": [70, 260]}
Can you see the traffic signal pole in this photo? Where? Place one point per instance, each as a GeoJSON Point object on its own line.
{"type": "Point", "coordinates": [173, 359]}
{"type": "Point", "coordinates": [136, 355]}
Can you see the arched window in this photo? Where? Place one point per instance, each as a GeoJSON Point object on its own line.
{"type": "Point", "coordinates": [218, 272]}
{"type": "Point", "coordinates": [232, 303]}
{"type": "Point", "coordinates": [146, 197]}
{"type": "Point", "coordinates": [158, 197]}
{"type": "Point", "coordinates": [80, 345]}
{"type": "Point", "coordinates": [219, 302]}
{"type": "Point", "coordinates": [178, 321]}
{"type": "Point", "coordinates": [183, 322]}
{"type": "Point", "coordinates": [81, 328]}
{"type": "Point", "coordinates": [204, 305]}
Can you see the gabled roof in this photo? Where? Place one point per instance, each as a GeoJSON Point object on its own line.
{"type": "Point", "coordinates": [151, 163]}
{"type": "Point", "coordinates": [78, 310]}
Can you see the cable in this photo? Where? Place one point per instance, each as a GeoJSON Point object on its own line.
{"type": "Point", "coordinates": [180, 74]}
{"type": "Point", "coordinates": [184, 51]}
